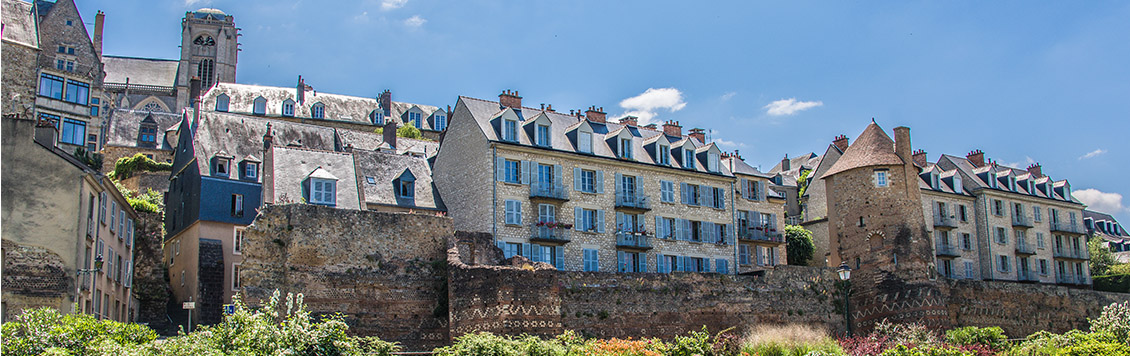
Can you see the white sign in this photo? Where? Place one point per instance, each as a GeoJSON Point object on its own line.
{"type": "Point", "coordinates": [189, 305]}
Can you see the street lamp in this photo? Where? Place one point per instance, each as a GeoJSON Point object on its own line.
{"type": "Point", "coordinates": [845, 275]}
{"type": "Point", "coordinates": [84, 271]}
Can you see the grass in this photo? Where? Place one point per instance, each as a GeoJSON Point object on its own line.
{"type": "Point", "coordinates": [789, 340]}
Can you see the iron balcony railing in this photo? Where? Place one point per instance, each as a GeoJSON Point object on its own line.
{"type": "Point", "coordinates": [945, 249]}
{"type": "Point", "coordinates": [1021, 221]}
{"type": "Point", "coordinates": [1023, 248]}
{"type": "Point", "coordinates": [1027, 276]}
{"type": "Point", "coordinates": [634, 200]}
{"type": "Point", "coordinates": [631, 239]}
{"type": "Point", "coordinates": [1064, 279]}
{"type": "Point", "coordinates": [1072, 253]}
{"type": "Point", "coordinates": [85, 282]}
{"type": "Point", "coordinates": [1065, 227]}
{"type": "Point", "coordinates": [941, 220]}
{"type": "Point", "coordinates": [549, 234]}
{"type": "Point", "coordinates": [548, 191]}
{"type": "Point", "coordinates": [760, 234]}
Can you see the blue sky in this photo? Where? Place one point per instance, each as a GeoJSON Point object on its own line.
{"type": "Point", "coordinates": [1023, 81]}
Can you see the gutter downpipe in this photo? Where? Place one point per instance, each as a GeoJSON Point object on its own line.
{"type": "Point", "coordinates": [494, 193]}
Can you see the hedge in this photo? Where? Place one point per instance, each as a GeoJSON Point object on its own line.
{"type": "Point", "coordinates": [1113, 283]}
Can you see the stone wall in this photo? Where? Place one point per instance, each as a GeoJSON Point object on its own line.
{"type": "Point", "coordinates": [1022, 309]}
{"type": "Point", "coordinates": [18, 79]}
{"type": "Point", "coordinates": [384, 271]}
{"type": "Point", "coordinates": [150, 274]}
{"type": "Point", "coordinates": [34, 277]}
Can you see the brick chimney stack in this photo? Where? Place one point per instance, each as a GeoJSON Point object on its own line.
{"type": "Point", "coordinates": [99, 23]}
{"type": "Point", "coordinates": [902, 143]}
{"type": "Point", "coordinates": [194, 96]}
{"type": "Point", "coordinates": [651, 127]}
{"type": "Point", "coordinates": [268, 139]}
{"type": "Point", "coordinates": [920, 157]}
{"type": "Point", "coordinates": [549, 107]}
{"type": "Point", "coordinates": [301, 90]}
{"type": "Point", "coordinates": [386, 102]}
{"type": "Point", "coordinates": [1036, 170]}
{"type": "Point", "coordinates": [841, 142]}
{"type": "Point", "coordinates": [976, 157]}
{"type": "Point", "coordinates": [672, 128]}
{"type": "Point", "coordinates": [388, 133]}
{"type": "Point", "coordinates": [699, 134]}
{"type": "Point", "coordinates": [630, 121]}
{"type": "Point", "coordinates": [595, 114]}
{"type": "Point", "coordinates": [785, 164]}
{"type": "Point", "coordinates": [509, 99]}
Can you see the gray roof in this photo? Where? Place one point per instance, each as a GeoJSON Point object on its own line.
{"type": "Point", "coordinates": [738, 166]}
{"type": "Point", "coordinates": [978, 178]}
{"type": "Point", "coordinates": [242, 136]}
{"type": "Point", "coordinates": [487, 113]}
{"type": "Point", "coordinates": [293, 165]}
{"type": "Point", "coordinates": [140, 71]}
{"type": "Point", "coordinates": [384, 168]}
{"type": "Point", "coordinates": [399, 110]}
{"type": "Point", "coordinates": [19, 23]}
{"type": "Point", "coordinates": [124, 126]}
{"type": "Point", "coordinates": [807, 161]}
{"type": "Point", "coordinates": [354, 109]}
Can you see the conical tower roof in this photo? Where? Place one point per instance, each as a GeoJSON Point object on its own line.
{"type": "Point", "coordinates": [872, 148]}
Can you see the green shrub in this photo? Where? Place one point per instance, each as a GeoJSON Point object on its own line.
{"type": "Point", "coordinates": [409, 131]}
{"type": "Point", "coordinates": [1115, 320]}
{"type": "Point", "coordinates": [903, 350]}
{"type": "Point", "coordinates": [992, 337]}
{"type": "Point", "coordinates": [126, 167]}
{"type": "Point", "coordinates": [800, 247]}
{"type": "Point", "coordinates": [46, 331]}
{"type": "Point", "coordinates": [1113, 283]}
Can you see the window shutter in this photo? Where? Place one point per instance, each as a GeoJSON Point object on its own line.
{"type": "Point", "coordinates": [640, 223]}
{"type": "Point", "coordinates": [619, 183]}
{"type": "Point", "coordinates": [707, 195]}
{"type": "Point", "coordinates": [936, 212]}
{"type": "Point", "coordinates": [501, 246]}
{"type": "Point", "coordinates": [536, 253]}
{"type": "Point", "coordinates": [755, 219]}
{"type": "Point", "coordinates": [643, 263]}
{"type": "Point", "coordinates": [559, 260]}
{"type": "Point", "coordinates": [599, 182]}
{"type": "Point", "coordinates": [620, 222]}
{"type": "Point", "coordinates": [499, 169]}
{"type": "Point", "coordinates": [526, 251]}
{"type": "Point", "coordinates": [525, 173]}
{"type": "Point", "coordinates": [708, 231]}
{"type": "Point", "coordinates": [705, 265]}
{"type": "Point", "coordinates": [679, 264]}
{"type": "Point", "coordinates": [577, 218]}
{"type": "Point", "coordinates": [722, 196]}
{"type": "Point", "coordinates": [518, 212]}
{"type": "Point", "coordinates": [760, 260]}
{"type": "Point", "coordinates": [683, 193]}
{"type": "Point", "coordinates": [730, 235]}
{"type": "Point", "coordinates": [773, 221]}
{"type": "Point", "coordinates": [557, 174]}
{"type": "Point", "coordinates": [659, 227]}
{"type": "Point", "coordinates": [680, 234]}
{"type": "Point", "coordinates": [661, 264]}
{"type": "Point", "coordinates": [600, 221]}
{"type": "Point", "coordinates": [619, 261]}
{"type": "Point", "coordinates": [760, 190]}
{"type": "Point", "coordinates": [743, 187]}
{"type": "Point", "coordinates": [577, 179]}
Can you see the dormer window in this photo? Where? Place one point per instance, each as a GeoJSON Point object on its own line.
{"type": "Point", "coordinates": [414, 119]}
{"type": "Point", "coordinates": [1066, 192]}
{"type": "Point", "coordinates": [509, 130]}
{"type": "Point", "coordinates": [288, 108]}
{"type": "Point", "coordinates": [318, 111]}
{"type": "Point", "coordinates": [1048, 189]}
{"type": "Point", "coordinates": [584, 141]}
{"type": "Point", "coordinates": [260, 106]}
{"type": "Point", "coordinates": [222, 102]}
{"type": "Point", "coordinates": [221, 168]}
{"type": "Point", "coordinates": [376, 117]}
{"type": "Point", "coordinates": [957, 184]}
{"type": "Point", "coordinates": [322, 191]}
{"type": "Point", "coordinates": [541, 134]}
{"type": "Point", "coordinates": [625, 148]}
{"type": "Point", "coordinates": [934, 181]}
{"type": "Point", "coordinates": [1031, 187]}
{"type": "Point", "coordinates": [405, 185]}
{"type": "Point", "coordinates": [147, 132]}
{"type": "Point", "coordinates": [688, 159]}
{"type": "Point", "coordinates": [1012, 183]}
{"type": "Point", "coordinates": [663, 157]}
{"type": "Point", "coordinates": [713, 164]}
{"type": "Point", "coordinates": [250, 170]}
{"type": "Point", "coordinates": [440, 122]}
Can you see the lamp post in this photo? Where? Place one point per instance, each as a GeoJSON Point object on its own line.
{"type": "Point", "coordinates": [94, 281]}
{"type": "Point", "coordinates": [845, 275]}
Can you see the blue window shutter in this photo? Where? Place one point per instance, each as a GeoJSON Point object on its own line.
{"type": "Point", "coordinates": [557, 175]}
{"type": "Point", "coordinates": [577, 179]}
{"type": "Point", "coordinates": [501, 246]}
{"type": "Point", "coordinates": [773, 221]}
{"type": "Point", "coordinates": [518, 212]}
{"type": "Point", "coordinates": [619, 183]}
{"type": "Point", "coordinates": [535, 253]}
{"type": "Point", "coordinates": [600, 221]}
{"type": "Point", "coordinates": [709, 232]}
{"type": "Point", "coordinates": [708, 195]}
{"type": "Point", "coordinates": [577, 218]}
{"type": "Point", "coordinates": [722, 196]}
{"type": "Point", "coordinates": [559, 261]}
{"type": "Point", "coordinates": [524, 174]}
{"type": "Point", "coordinates": [661, 264]}
{"type": "Point", "coordinates": [643, 263]}
{"type": "Point", "coordinates": [619, 261]}
{"type": "Point", "coordinates": [680, 264]}
{"type": "Point", "coordinates": [599, 182]}
{"type": "Point", "coordinates": [658, 227]}
{"type": "Point", "coordinates": [705, 265]}
{"type": "Point", "coordinates": [595, 260]}
{"type": "Point", "coordinates": [729, 238]}
{"type": "Point", "coordinates": [500, 169]}
{"type": "Point", "coordinates": [679, 233]}
{"type": "Point", "coordinates": [683, 193]}
{"type": "Point", "coordinates": [619, 221]}
{"type": "Point", "coordinates": [526, 251]}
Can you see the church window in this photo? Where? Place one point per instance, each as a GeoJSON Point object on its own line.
{"type": "Point", "coordinates": [318, 111]}
{"type": "Point", "coordinates": [222, 102]}
{"type": "Point", "coordinates": [204, 40]}
{"type": "Point", "coordinates": [205, 71]}
{"type": "Point", "coordinates": [153, 106]}
{"type": "Point", "coordinates": [260, 107]}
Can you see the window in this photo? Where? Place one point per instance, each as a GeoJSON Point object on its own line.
{"type": "Point", "coordinates": [148, 134]}
{"type": "Point", "coordinates": [129, 232]}
{"type": "Point", "coordinates": [1002, 235]}
{"type": "Point", "coordinates": [546, 176]}
{"type": "Point", "coordinates": [221, 168]}
{"type": "Point", "coordinates": [881, 178]}
{"type": "Point", "coordinates": [237, 241]}
{"type": "Point", "coordinates": [743, 254]}
{"type": "Point", "coordinates": [113, 214]}
{"type": "Point", "coordinates": [250, 170]}
{"type": "Point", "coordinates": [73, 132]}
{"type": "Point", "coordinates": [318, 111]}
{"type": "Point", "coordinates": [510, 249]}
{"type": "Point", "coordinates": [182, 278]}
{"type": "Point", "coordinates": [51, 86]}
{"type": "Point", "coordinates": [957, 184]}
{"type": "Point", "coordinates": [237, 205]}
{"type": "Point", "coordinates": [1040, 240]}
{"type": "Point", "coordinates": [406, 188]}
{"type": "Point", "coordinates": [414, 119]}
{"type": "Point", "coordinates": [102, 208]}
{"type": "Point", "coordinates": [666, 191]}
{"type": "Point", "coordinates": [94, 102]}
{"type": "Point", "coordinates": [688, 159]}
{"type": "Point", "coordinates": [121, 223]}
{"type": "Point", "coordinates": [323, 191]}
{"type": "Point", "coordinates": [664, 155]}
{"type": "Point", "coordinates": [259, 106]}
{"type": "Point", "coordinates": [547, 213]}
{"type": "Point", "coordinates": [78, 92]}
{"type": "Point", "coordinates": [588, 181]}
{"type": "Point", "coordinates": [966, 242]}
{"type": "Point", "coordinates": [513, 212]}
{"type": "Point", "coordinates": [205, 70]}
{"type": "Point", "coordinates": [584, 141]}
{"type": "Point", "coordinates": [592, 260]}
{"type": "Point", "coordinates": [512, 172]}
{"type": "Point", "coordinates": [719, 198]}
{"type": "Point", "coordinates": [509, 130]}
{"type": "Point", "coordinates": [961, 213]}
{"type": "Point", "coordinates": [235, 276]}
{"type": "Point", "coordinates": [588, 220]}
{"type": "Point", "coordinates": [542, 134]}
{"type": "Point", "coordinates": [1003, 265]}
{"type": "Point", "coordinates": [1043, 267]}
{"type": "Point", "coordinates": [968, 269]}
{"type": "Point", "coordinates": [631, 262]}
{"type": "Point", "coordinates": [713, 164]}
{"type": "Point", "coordinates": [440, 122]}
{"type": "Point", "coordinates": [222, 102]}
{"type": "Point", "coordinates": [376, 117]}
{"type": "Point", "coordinates": [625, 148]}
{"type": "Point", "coordinates": [998, 207]}
{"type": "Point", "coordinates": [288, 108]}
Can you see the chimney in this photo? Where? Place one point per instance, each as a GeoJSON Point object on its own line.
{"type": "Point", "coordinates": [301, 89]}
{"type": "Point", "coordinates": [651, 127]}
{"type": "Point", "coordinates": [976, 157]}
{"type": "Point", "coordinates": [389, 133]}
{"type": "Point", "coordinates": [595, 114]}
{"type": "Point", "coordinates": [268, 139]}
{"type": "Point", "coordinates": [699, 134]}
{"type": "Point", "coordinates": [672, 128]}
{"type": "Point", "coordinates": [46, 133]}
{"type": "Point", "coordinates": [194, 94]}
{"type": "Point", "coordinates": [920, 157]}
{"type": "Point", "coordinates": [630, 121]}
{"type": "Point", "coordinates": [786, 164]}
{"type": "Point", "coordinates": [902, 143]}
{"type": "Point", "coordinates": [386, 102]}
{"type": "Point", "coordinates": [509, 99]}
{"type": "Point", "coordinates": [841, 142]}
{"type": "Point", "coordinates": [99, 21]}
{"type": "Point", "coordinates": [1035, 170]}
{"type": "Point", "coordinates": [549, 107]}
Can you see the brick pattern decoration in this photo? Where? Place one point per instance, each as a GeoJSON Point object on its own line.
{"type": "Point", "coordinates": [211, 279]}
{"type": "Point", "coordinates": [34, 277]}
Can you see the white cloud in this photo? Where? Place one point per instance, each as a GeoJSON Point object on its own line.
{"type": "Point", "coordinates": [362, 17]}
{"type": "Point", "coordinates": [1097, 200]}
{"type": "Point", "coordinates": [730, 144]}
{"type": "Point", "coordinates": [728, 96]}
{"type": "Point", "coordinates": [387, 5]}
{"type": "Point", "coordinates": [785, 107]}
{"type": "Point", "coordinates": [1021, 165]}
{"type": "Point", "coordinates": [196, 2]}
{"type": "Point", "coordinates": [644, 106]}
{"type": "Point", "coordinates": [415, 21]}
{"type": "Point", "coordinates": [1092, 154]}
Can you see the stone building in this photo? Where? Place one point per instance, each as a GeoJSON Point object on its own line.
{"type": "Point", "coordinates": [20, 48]}
{"type": "Point", "coordinates": [786, 177]}
{"type": "Point", "coordinates": [1113, 235]}
{"type": "Point", "coordinates": [60, 218]}
{"type": "Point", "coordinates": [812, 204]}
{"type": "Point", "coordinates": [758, 212]}
{"type": "Point", "coordinates": [948, 210]}
{"type": "Point", "coordinates": [581, 193]}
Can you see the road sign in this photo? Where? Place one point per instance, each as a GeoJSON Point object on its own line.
{"type": "Point", "coordinates": [229, 309]}
{"type": "Point", "coordinates": [189, 305]}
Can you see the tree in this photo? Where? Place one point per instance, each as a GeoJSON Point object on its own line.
{"type": "Point", "coordinates": [1101, 258]}
{"type": "Point", "coordinates": [409, 131]}
{"type": "Point", "coordinates": [799, 245]}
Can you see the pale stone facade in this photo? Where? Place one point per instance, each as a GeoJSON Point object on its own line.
{"type": "Point", "coordinates": [951, 222]}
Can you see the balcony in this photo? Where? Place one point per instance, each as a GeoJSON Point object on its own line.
{"type": "Point", "coordinates": [556, 233]}
{"type": "Point", "coordinates": [759, 234]}
{"type": "Point", "coordinates": [947, 250]}
{"type": "Point", "coordinates": [1072, 254]}
{"type": "Point", "coordinates": [633, 240]}
{"type": "Point", "coordinates": [942, 221]}
{"type": "Point", "coordinates": [548, 191]}
{"type": "Point", "coordinates": [1023, 248]}
{"type": "Point", "coordinates": [1064, 279]}
{"type": "Point", "coordinates": [629, 200]}
{"type": "Point", "coordinates": [85, 285]}
{"type": "Point", "coordinates": [1027, 276]}
{"type": "Point", "coordinates": [1066, 227]}
{"type": "Point", "coordinates": [1021, 221]}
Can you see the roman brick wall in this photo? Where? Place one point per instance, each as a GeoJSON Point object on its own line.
{"type": "Point", "coordinates": [385, 271]}
{"type": "Point", "coordinates": [647, 184]}
{"type": "Point", "coordinates": [1022, 309]}
{"type": "Point", "coordinates": [150, 274]}
{"type": "Point", "coordinates": [34, 277]}
{"type": "Point", "coordinates": [111, 155]}
{"type": "Point", "coordinates": [953, 202]}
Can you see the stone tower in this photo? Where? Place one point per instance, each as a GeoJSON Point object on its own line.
{"type": "Point", "coordinates": [877, 226]}
{"type": "Point", "coordinates": [209, 50]}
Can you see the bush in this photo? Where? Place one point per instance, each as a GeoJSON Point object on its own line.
{"type": "Point", "coordinates": [46, 331]}
{"type": "Point", "coordinates": [926, 350]}
{"type": "Point", "coordinates": [1115, 320]}
{"type": "Point", "coordinates": [1121, 268]}
{"type": "Point", "coordinates": [1113, 283]}
{"type": "Point", "coordinates": [800, 247]}
{"type": "Point", "coordinates": [789, 340]}
{"type": "Point", "coordinates": [990, 337]}
{"type": "Point", "coordinates": [409, 131]}
{"type": "Point", "coordinates": [125, 167]}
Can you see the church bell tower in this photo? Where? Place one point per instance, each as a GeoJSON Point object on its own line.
{"type": "Point", "coordinates": [209, 50]}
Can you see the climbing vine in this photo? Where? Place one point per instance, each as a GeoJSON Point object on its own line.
{"type": "Point", "coordinates": [126, 167]}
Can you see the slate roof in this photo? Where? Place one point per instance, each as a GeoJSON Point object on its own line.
{"type": "Point", "coordinates": [1098, 227]}
{"type": "Point", "coordinates": [807, 161]}
{"type": "Point", "coordinates": [872, 148]}
{"type": "Point", "coordinates": [293, 165]}
{"type": "Point", "coordinates": [354, 109]}
{"type": "Point", "coordinates": [738, 166]}
{"type": "Point", "coordinates": [242, 136]}
{"type": "Point", "coordinates": [488, 113]}
{"type": "Point", "coordinates": [19, 23]}
{"type": "Point", "coordinates": [386, 167]}
{"type": "Point", "coordinates": [140, 71]}
{"type": "Point", "coordinates": [124, 126]}
{"type": "Point", "coordinates": [978, 178]}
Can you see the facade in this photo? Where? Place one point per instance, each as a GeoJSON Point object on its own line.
{"type": "Point", "coordinates": [60, 217]}
{"type": "Point", "coordinates": [584, 194]}
{"type": "Point", "coordinates": [69, 75]}
{"type": "Point", "coordinates": [20, 48]}
{"type": "Point", "coordinates": [209, 51]}
{"type": "Point", "coordinates": [1113, 235]}
{"type": "Point", "coordinates": [759, 212]}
